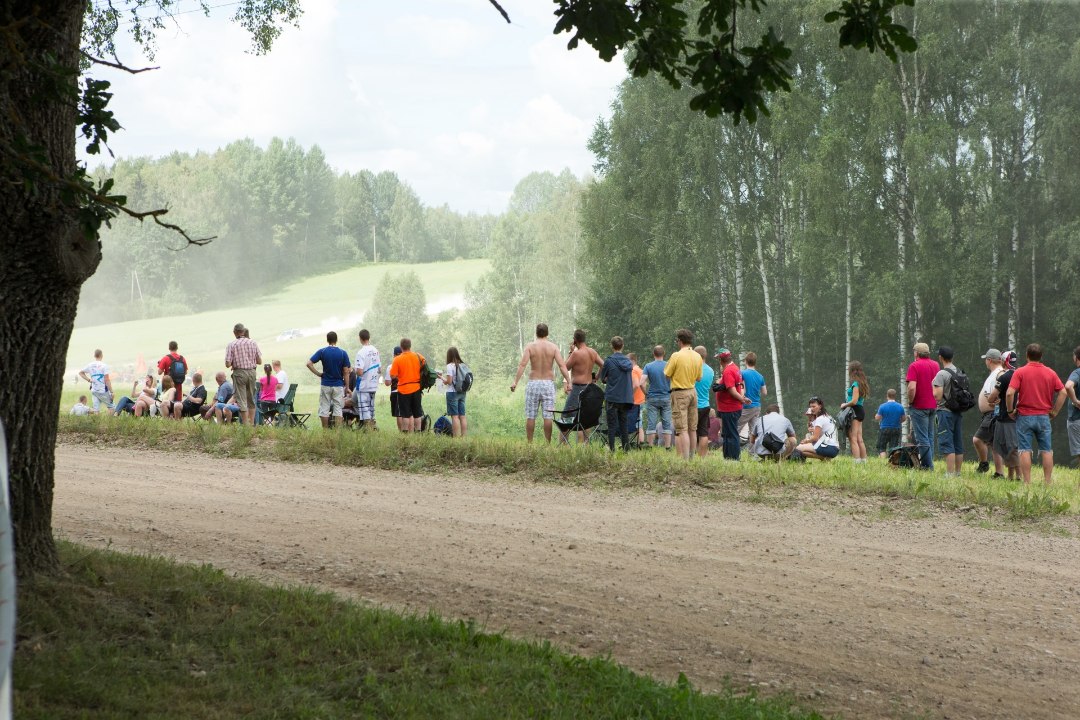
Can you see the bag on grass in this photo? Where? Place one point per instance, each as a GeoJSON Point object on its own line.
{"type": "Point", "coordinates": [443, 426]}
{"type": "Point", "coordinates": [905, 456]}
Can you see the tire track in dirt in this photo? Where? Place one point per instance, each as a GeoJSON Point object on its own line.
{"type": "Point", "coordinates": [875, 619]}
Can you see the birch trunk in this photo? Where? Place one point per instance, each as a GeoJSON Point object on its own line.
{"type": "Point", "coordinates": [1014, 306]}
{"type": "Point", "coordinates": [769, 322]}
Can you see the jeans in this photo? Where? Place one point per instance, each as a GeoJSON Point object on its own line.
{"type": "Point", "coordinates": [658, 405]}
{"type": "Point", "coordinates": [729, 431]}
{"type": "Point", "coordinates": [1033, 433]}
{"type": "Point", "coordinates": [950, 432]}
{"type": "Point", "coordinates": [921, 423]}
{"type": "Point", "coordinates": [616, 422]}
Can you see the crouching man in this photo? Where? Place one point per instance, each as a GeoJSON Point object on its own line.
{"type": "Point", "coordinates": [775, 427]}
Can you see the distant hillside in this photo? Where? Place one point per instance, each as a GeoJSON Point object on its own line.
{"type": "Point", "coordinates": [336, 301]}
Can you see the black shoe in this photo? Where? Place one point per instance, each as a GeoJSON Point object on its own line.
{"type": "Point", "coordinates": [983, 467]}
{"type": "Point", "coordinates": [998, 476]}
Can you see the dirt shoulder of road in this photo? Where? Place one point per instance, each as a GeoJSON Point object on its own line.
{"type": "Point", "coordinates": [848, 607]}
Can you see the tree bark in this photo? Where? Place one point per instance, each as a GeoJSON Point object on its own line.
{"type": "Point", "coordinates": [769, 321]}
{"type": "Point", "coordinates": [46, 260]}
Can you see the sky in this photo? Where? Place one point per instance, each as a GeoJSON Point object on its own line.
{"type": "Point", "coordinates": [444, 93]}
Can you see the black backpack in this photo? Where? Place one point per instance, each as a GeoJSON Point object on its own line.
{"type": "Point", "coordinates": [960, 398]}
{"type": "Point", "coordinates": [463, 378]}
{"type": "Point", "coordinates": [178, 370]}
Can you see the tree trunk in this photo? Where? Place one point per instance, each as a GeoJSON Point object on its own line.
{"type": "Point", "coordinates": [769, 322]}
{"type": "Point", "coordinates": [46, 260]}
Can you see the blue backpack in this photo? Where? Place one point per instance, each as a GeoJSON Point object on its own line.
{"type": "Point", "coordinates": [443, 426]}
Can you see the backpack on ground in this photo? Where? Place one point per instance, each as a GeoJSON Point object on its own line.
{"type": "Point", "coordinates": [959, 398]}
{"type": "Point", "coordinates": [905, 456]}
{"type": "Point", "coordinates": [178, 369]}
{"type": "Point", "coordinates": [463, 378]}
{"type": "Point", "coordinates": [443, 426]}
{"type": "Point", "coordinates": [428, 376]}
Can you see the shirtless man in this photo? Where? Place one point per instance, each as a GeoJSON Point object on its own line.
{"type": "Point", "coordinates": [580, 363]}
{"type": "Point", "coordinates": [539, 355]}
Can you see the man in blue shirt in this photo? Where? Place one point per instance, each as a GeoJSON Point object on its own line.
{"type": "Point", "coordinates": [703, 387]}
{"type": "Point", "coordinates": [657, 399]}
{"type": "Point", "coordinates": [335, 374]}
{"type": "Point", "coordinates": [754, 389]}
{"type": "Point", "coordinates": [890, 416]}
{"type": "Point", "coordinates": [619, 395]}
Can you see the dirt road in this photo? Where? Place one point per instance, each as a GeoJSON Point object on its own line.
{"type": "Point", "coordinates": [875, 618]}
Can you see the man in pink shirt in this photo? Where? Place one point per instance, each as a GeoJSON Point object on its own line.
{"type": "Point", "coordinates": [921, 402]}
{"type": "Point", "coordinates": [1031, 400]}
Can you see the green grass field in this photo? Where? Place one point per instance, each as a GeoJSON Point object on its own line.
{"type": "Point", "coordinates": [329, 302]}
{"type": "Point", "coordinates": [119, 636]}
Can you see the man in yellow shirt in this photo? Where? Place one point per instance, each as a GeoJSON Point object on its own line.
{"type": "Point", "coordinates": [684, 369]}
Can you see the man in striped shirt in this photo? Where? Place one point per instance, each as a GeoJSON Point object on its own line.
{"type": "Point", "coordinates": [242, 356]}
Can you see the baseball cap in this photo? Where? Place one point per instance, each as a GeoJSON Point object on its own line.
{"type": "Point", "coordinates": [722, 352]}
{"type": "Point", "coordinates": [992, 354]}
{"type": "Point", "coordinates": [921, 348]}
{"type": "Point", "coordinates": [946, 352]}
{"type": "Point", "coordinates": [397, 350]}
{"type": "Point", "coordinates": [1008, 358]}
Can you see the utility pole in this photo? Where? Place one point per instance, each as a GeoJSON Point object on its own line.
{"type": "Point", "coordinates": [374, 250]}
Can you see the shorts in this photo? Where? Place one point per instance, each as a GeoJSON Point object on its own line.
{"type": "Point", "coordinates": [950, 432]}
{"type": "Point", "coordinates": [828, 451]}
{"type": "Point", "coordinates": [749, 417]}
{"type": "Point", "coordinates": [455, 403]}
{"type": "Point", "coordinates": [244, 387]}
{"type": "Point", "coordinates": [887, 439]}
{"type": "Point", "coordinates": [572, 401]}
{"type": "Point", "coordinates": [364, 404]}
{"type": "Point", "coordinates": [540, 393]}
{"type": "Point", "coordinates": [1033, 433]}
{"type": "Point", "coordinates": [703, 422]}
{"type": "Point", "coordinates": [633, 419]}
{"type": "Point", "coordinates": [411, 406]}
{"type": "Point", "coordinates": [1074, 437]}
{"type": "Point", "coordinates": [859, 413]}
{"type": "Point", "coordinates": [1005, 443]}
{"type": "Point", "coordinates": [684, 410]}
{"type": "Point", "coordinates": [102, 398]}
{"type": "Point", "coordinates": [395, 411]}
{"type": "Point", "coordinates": [331, 401]}
{"type": "Point", "coordinates": [986, 428]}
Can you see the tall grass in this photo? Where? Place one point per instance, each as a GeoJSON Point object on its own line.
{"type": "Point", "coordinates": [122, 636]}
{"type": "Point", "coordinates": [652, 469]}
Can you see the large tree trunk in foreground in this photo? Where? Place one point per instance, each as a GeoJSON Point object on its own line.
{"type": "Point", "coordinates": [46, 259]}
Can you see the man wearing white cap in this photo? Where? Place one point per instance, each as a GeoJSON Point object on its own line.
{"type": "Point", "coordinates": [984, 435]}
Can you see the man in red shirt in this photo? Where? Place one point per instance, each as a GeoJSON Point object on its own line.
{"type": "Point", "coordinates": [165, 363]}
{"type": "Point", "coordinates": [922, 403]}
{"type": "Point", "coordinates": [1030, 399]}
{"type": "Point", "coordinates": [729, 402]}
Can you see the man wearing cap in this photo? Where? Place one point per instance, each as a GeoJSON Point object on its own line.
{"type": "Point", "coordinates": [984, 436]}
{"type": "Point", "coordinates": [683, 371]}
{"type": "Point", "coordinates": [950, 430]}
{"type": "Point", "coordinates": [920, 395]}
{"type": "Point", "coordinates": [1035, 397]}
{"type": "Point", "coordinates": [1073, 424]}
{"type": "Point", "coordinates": [242, 356]}
{"type": "Point", "coordinates": [729, 402]}
{"type": "Point", "coordinates": [1005, 426]}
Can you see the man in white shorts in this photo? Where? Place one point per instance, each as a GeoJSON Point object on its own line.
{"type": "Point", "coordinates": [540, 355]}
{"type": "Point", "coordinates": [366, 370]}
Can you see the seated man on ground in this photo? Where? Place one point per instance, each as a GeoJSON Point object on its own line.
{"type": "Point", "coordinates": [772, 422]}
{"type": "Point", "coordinates": [192, 404]}
{"type": "Point", "coordinates": [820, 443]}
{"type": "Point", "coordinates": [81, 408]}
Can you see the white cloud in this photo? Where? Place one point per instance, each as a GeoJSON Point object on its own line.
{"type": "Point", "coordinates": [448, 96]}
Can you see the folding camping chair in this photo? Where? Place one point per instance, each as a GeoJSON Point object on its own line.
{"type": "Point", "coordinates": [582, 418]}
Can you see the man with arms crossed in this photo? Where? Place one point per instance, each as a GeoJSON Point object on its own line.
{"type": "Point", "coordinates": [540, 355]}
{"type": "Point", "coordinates": [683, 371]}
{"type": "Point", "coordinates": [1030, 399]}
{"type": "Point", "coordinates": [729, 403]}
{"type": "Point", "coordinates": [406, 369]}
{"type": "Point", "coordinates": [921, 400]}
{"type": "Point", "coordinates": [580, 363]}
{"type": "Point", "coordinates": [242, 356]}
{"type": "Point", "coordinates": [1074, 408]}
{"type": "Point", "coordinates": [334, 379]}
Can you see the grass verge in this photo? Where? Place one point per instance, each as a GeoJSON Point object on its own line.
{"type": "Point", "coordinates": [120, 636]}
{"type": "Point", "coordinates": [651, 469]}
